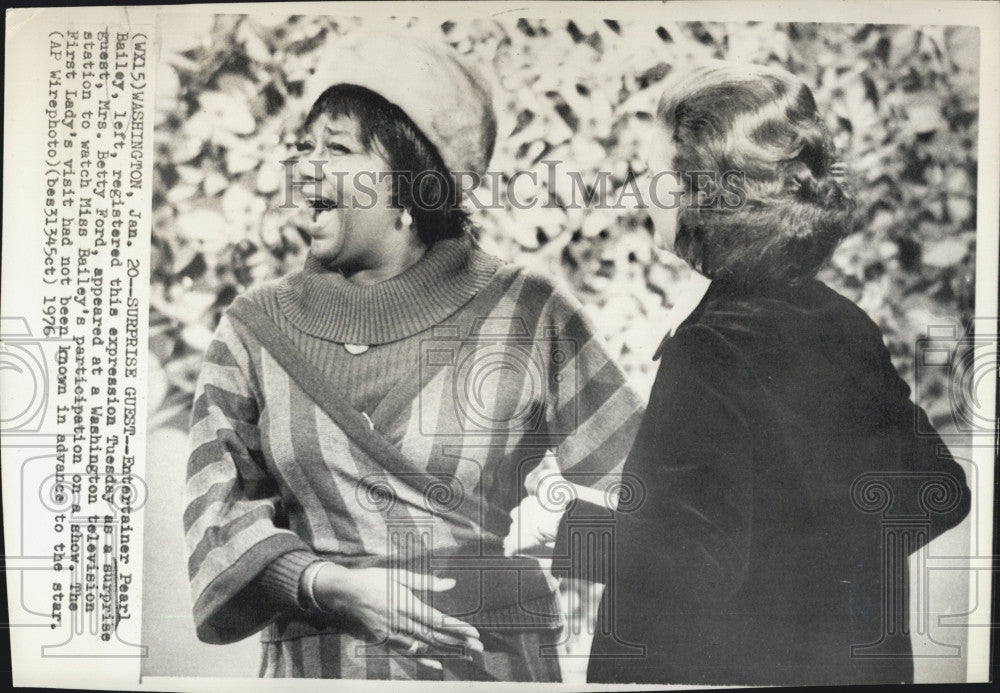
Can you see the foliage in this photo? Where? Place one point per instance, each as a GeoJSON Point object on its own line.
{"type": "Point", "coordinates": [902, 102]}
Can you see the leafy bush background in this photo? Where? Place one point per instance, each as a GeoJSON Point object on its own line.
{"type": "Point", "coordinates": [901, 100]}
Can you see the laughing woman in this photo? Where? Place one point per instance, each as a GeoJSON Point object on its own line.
{"type": "Point", "coordinates": [363, 427]}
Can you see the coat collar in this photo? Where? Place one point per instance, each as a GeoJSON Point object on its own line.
{"type": "Point", "coordinates": [690, 295]}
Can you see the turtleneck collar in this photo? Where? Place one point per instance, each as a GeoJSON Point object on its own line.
{"type": "Point", "coordinates": [325, 304]}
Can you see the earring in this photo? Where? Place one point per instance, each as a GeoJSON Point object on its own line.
{"type": "Point", "coordinates": [405, 219]}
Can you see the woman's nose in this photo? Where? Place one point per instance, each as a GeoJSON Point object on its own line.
{"type": "Point", "coordinates": [307, 167]}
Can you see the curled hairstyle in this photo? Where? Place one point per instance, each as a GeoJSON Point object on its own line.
{"type": "Point", "coordinates": [761, 123]}
{"type": "Point", "coordinates": [421, 181]}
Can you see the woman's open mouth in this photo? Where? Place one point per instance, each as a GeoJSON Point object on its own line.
{"type": "Point", "coordinates": [321, 205]}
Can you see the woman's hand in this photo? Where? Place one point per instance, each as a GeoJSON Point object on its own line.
{"type": "Point", "coordinates": [533, 529]}
{"type": "Point", "coordinates": [383, 601]}
{"type": "Point", "coordinates": [535, 522]}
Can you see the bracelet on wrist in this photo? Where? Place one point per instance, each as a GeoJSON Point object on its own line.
{"type": "Point", "coordinates": [308, 585]}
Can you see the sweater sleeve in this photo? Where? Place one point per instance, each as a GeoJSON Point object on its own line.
{"type": "Point", "coordinates": [281, 580]}
{"type": "Point", "coordinates": [692, 463]}
{"type": "Point", "coordinates": [592, 413]}
{"type": "Point", "coordinates": [231, 499]}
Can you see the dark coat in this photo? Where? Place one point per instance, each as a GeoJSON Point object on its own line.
{"type": "Point", "coordinates": [778, 440]}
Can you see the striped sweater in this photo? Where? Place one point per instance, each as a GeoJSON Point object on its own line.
{"type": "Point", "coordinates": [473, 370]}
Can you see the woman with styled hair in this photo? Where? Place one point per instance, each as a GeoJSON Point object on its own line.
{"type": "Point", "coordinates": [777, 433]}
{"type": "Point", "coordinates": [362, 428]}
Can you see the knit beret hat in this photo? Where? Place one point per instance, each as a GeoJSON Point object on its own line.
{"type": "Point", "coordinates": [446, 98]}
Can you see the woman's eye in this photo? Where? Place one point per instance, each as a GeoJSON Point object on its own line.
{"type": "Point", "coordinates": [303, 147]}
{"type": "Point", "coordinates": [337, 148]}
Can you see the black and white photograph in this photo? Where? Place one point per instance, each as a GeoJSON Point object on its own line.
{"type": "Point", "coordinates": [564, 344]}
